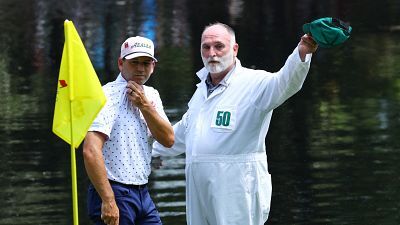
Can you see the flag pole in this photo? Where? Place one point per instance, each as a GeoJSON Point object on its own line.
{"type": "Point", "coordinates": [74, 186]}
{"type": "Point", "coordinates": [73, 157]}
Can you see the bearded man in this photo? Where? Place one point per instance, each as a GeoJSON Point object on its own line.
{"type": "Point", "coordinates": [223, 132]}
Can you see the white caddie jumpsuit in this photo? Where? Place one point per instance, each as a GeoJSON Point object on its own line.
{"type": "Point", "coordinates": [223, 136]}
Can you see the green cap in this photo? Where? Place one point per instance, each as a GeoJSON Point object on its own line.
{"type": "Point", "coordinates": [328, 32]}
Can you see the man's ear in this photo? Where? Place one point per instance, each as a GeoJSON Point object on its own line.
{"type": "Point", "coordinates": [120, 62]}
{"type": "Point", "coordinates": [235, 49]}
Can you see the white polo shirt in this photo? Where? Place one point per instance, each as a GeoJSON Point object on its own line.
{"type": "Point", "coordinates": [127, 150]}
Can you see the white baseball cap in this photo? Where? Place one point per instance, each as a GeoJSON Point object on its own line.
{"type": "Point", "coordinates": [137, 46]}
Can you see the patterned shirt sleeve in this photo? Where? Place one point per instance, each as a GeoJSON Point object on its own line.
{"type": "Point", "coordinates": [106, 117]}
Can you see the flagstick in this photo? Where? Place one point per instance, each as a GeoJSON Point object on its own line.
{"type": "Point", "coordinates": [74, 186]}
{"type": "Point", "coordinates": [73, 160]}
{"type": "Point", "coordinates": [73, 172]}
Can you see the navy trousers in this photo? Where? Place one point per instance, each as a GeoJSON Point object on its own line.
{"type": "Point", "coordinates": [135, 205]}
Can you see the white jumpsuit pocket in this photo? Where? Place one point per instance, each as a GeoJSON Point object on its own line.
{"type": "Point", "coordinates": [264, 194]}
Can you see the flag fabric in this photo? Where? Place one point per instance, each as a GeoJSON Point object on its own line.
{"type": "Point", "coordinates": [79, 93]}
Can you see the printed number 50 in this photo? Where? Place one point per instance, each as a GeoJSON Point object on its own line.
{"type": "Point", "coordinates": [223, 118]}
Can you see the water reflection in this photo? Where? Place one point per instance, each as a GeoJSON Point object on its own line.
{"type": "Point", "coordinates": [340, 165]}
{"type": "Point", "coordinates": [169, 190]}
{"type": "Point", "coordinates": [332, 148]}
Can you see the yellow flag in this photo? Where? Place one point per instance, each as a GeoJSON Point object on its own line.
{"type": "Point", "coordinates": [79, 93]}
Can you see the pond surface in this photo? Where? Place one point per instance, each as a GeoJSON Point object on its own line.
{"type": "Point", "coordinates": [333, 148]}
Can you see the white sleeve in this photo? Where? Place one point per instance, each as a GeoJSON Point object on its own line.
{"type": "Point", "coordinates": [276, 88]}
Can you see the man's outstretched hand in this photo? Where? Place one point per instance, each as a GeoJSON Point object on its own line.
{"type": "Point", "coordinates": [306, 46]}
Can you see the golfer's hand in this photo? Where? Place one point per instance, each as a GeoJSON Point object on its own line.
{"type": "Point", "coordinates": [110, 213]}
{"type": "Point", "coordinates": [136, 95]}
{"type": "Point", "coordinates": [306, 46]}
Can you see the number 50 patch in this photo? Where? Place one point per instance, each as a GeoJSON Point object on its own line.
{"type": "Point", "coordinates": [224, 118]}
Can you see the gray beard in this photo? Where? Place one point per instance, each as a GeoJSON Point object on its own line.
{"type": "Point", "coordinates": [224, 63]}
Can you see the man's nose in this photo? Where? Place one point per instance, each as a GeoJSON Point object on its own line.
{"type": "Point", "coordinates": [212, 52]}
{"type": "Point", "coordinates": [140, 66]}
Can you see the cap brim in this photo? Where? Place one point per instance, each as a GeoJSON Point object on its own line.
{"type": "Point", "coordinates": [139, 54]}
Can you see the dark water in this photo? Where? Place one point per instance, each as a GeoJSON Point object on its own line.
{"type": "Point", "coordinates": [333, 148]}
